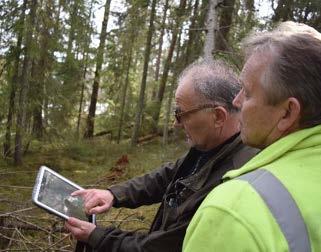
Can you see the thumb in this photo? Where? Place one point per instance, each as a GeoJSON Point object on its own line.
{"type": "Point", "coordinates": [98, 209]}
{"type": "Point", "coordinates": [73, 221]}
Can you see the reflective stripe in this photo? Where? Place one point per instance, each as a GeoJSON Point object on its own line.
{"type": "Point", "coordinates": [283, 208]}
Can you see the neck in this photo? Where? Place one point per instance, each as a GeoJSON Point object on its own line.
{"type": "Point", "coordinates": [221, 144]}
{"type": "Point", "coordinates": [222, 139]}
{"type": "Point", "coordinates": [229, 128]}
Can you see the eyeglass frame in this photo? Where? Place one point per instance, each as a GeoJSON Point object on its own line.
{"type": "Point", "coordinates": [178, 115]}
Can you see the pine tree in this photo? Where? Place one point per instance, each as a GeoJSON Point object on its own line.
{"type": "Point", "coordinates": [14, 80]}
{"type": "Point", "coordinates": [140, 104]}
{"type": "Point", "coordinates": [24, 84]}
{"type": "Point", "coordinates": [89, 132]}
{"type": "Point", "coordinates": [160, 94]}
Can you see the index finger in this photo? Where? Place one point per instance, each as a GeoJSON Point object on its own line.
{"type": "Point", "coordinates": [80, 192]}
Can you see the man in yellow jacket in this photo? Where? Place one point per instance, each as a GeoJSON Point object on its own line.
{"type": "Point", "coordinates": [272, 203]}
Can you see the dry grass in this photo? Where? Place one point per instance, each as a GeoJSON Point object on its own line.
{"type": "Point", "coordinates": [24, 227]}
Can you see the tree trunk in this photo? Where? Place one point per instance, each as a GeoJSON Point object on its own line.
{"type": "Point", "coordinates": [71, 36]}
{"type": "Point", "coordinates": [89, 132]}
{"type": "Point", "coordinates": [160, 49]}
{"type": "Point", "coordinates": [140, 105]}
{"type": "Point", "coordinates": [171, 92]}
{"type": "Point", "coordinates": [83, 83]}
{"type": "Point", "coordinates": [70, 70]}
{"type": "Point", "coordinates": [123, 99]}
{"type": "Point", "coordinates": [191, 36]}
{"type": "Point", "coordinates": [43, 66]}
{"type": "Point", "coordinates": [211, 28]}
{"type": "Point", "coordinates": [225, 23]}
{"type": "Point", "coordinates": [161, 90]}
{"type": "Point", "coordinates": [24, 85]}
{"type": "Point", "coordinates": [36, 94]}
{"type": "Point", "coordinates": [283, 11]}
{"type": "Point", "coordinates": [7, 143]}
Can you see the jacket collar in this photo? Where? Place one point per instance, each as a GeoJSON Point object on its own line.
{"type": "Point", "coordinates": [196, 181]}
{"type": "Point", "coordinates": [301, 139]}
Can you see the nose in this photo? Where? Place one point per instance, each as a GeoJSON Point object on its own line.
{"type": "Point", "coordinates": [237, 102]}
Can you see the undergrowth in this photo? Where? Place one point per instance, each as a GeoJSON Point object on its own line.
{"type": "Point", "coordinates": [94, 163]}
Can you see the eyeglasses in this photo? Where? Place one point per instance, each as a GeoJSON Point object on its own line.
{"type": "Point", "coordinates": [179, 114]}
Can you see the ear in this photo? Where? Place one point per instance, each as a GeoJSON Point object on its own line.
{"type": "Point", "coordinates": [220, 116]}
{"type": "Point", "coordinates": [291, 117]}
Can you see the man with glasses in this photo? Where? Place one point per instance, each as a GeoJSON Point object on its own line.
{"type": "Point", "coordinates": [205, 112]}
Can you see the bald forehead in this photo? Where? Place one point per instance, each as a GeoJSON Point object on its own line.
{"type": "Point", "coordinates": [186, 84]}
{"type": "Point", "coordinates": [186, 90]}
{"type": "Point", "coordinates": [196, 72]}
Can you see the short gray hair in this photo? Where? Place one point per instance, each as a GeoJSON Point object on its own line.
{"type": "Point", "coordinates": [213, 80]}
{"type": "Point", "coordinates": [295, 68]}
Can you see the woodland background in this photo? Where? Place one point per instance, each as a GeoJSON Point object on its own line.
{"type": "Point", "coordinates": [87, 86]}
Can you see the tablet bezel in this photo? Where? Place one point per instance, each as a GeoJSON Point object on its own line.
{"type": "Point", "coordinates": [37, 187]}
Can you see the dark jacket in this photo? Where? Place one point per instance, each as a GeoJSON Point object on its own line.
{"type": "Point", "coordinates": [180, 197]}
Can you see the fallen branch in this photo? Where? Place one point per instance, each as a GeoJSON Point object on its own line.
{"type": "Point", "coordinates": [148, 137]}
{"type": "Point", "coordinates": [30, 224]}
{"type": "Point", "coordinates": [57, 242]}
{"type": "Point", "coordinates": [17, 211]}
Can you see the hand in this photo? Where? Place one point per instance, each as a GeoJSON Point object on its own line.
{"type": "Point", "coordinates": [79, 229]}
{"type": "Point", "coordinates": [95, 200]}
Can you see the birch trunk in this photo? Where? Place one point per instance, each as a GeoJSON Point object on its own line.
{"type": "Point", "coordinates": [211, 27]}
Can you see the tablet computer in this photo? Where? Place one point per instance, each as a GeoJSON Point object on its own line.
{"type": "Point", "coordinates": [52, 193]}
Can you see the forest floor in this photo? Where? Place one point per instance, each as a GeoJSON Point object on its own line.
{"type": "Point", "coordinates": [91, 164]}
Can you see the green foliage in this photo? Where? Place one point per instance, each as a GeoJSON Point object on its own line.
{"type": "Point", "coordinates": [64, 49]}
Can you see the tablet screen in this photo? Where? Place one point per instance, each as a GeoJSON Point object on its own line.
{"type": "Point", "coordinates": [53, 193]}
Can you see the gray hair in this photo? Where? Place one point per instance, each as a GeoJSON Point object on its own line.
{"type": "Point", "coordinates": [295, 67]}
{"type": "Point", "coordinates": [214, 81]}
